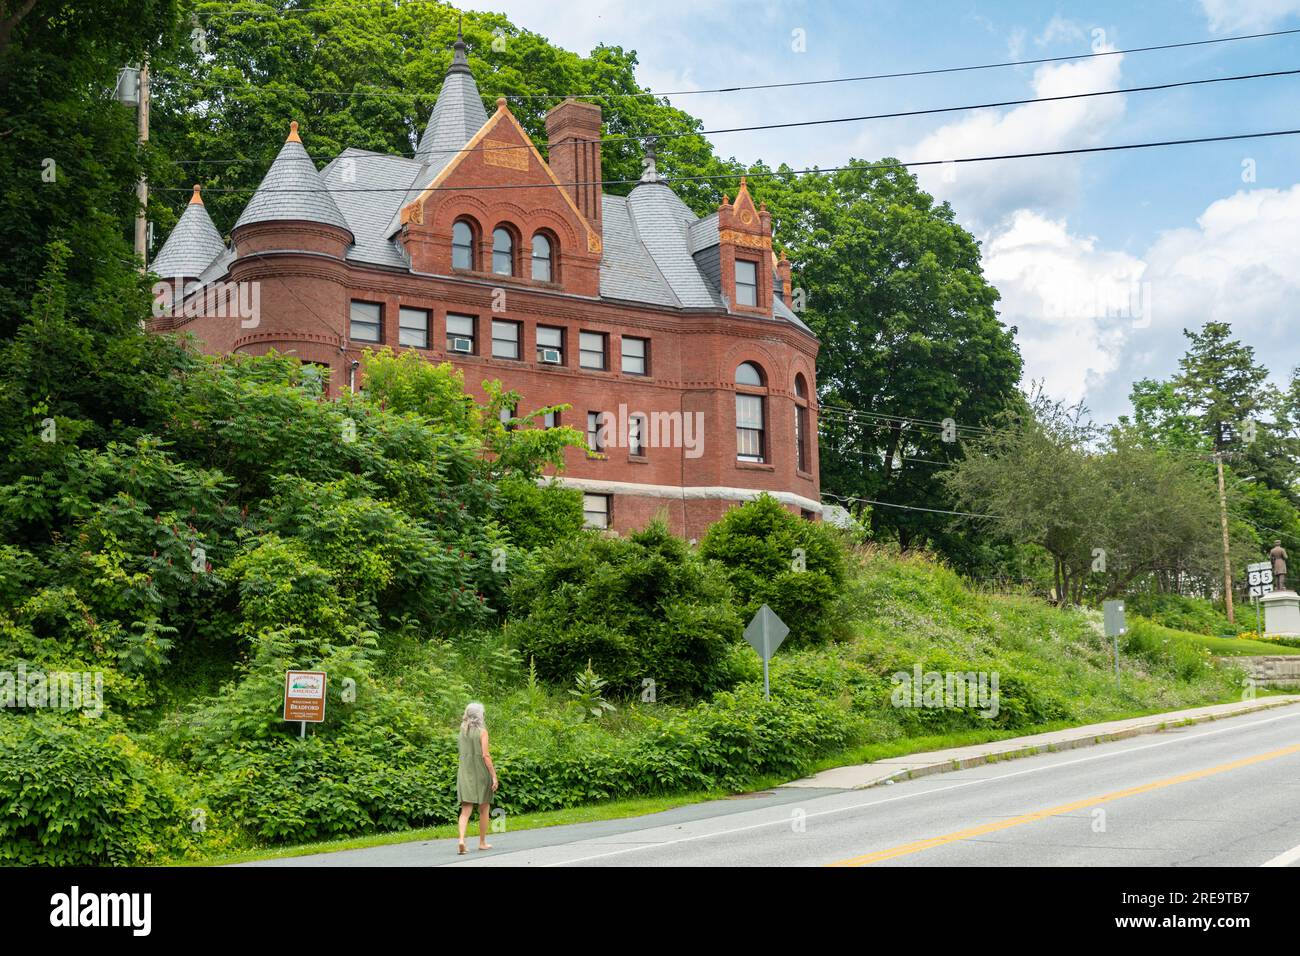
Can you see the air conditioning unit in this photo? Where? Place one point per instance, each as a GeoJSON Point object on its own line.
{"type": "Point", "coordinates": [549, 356]}
{"type": "Point", "coordinates": [462, 345]}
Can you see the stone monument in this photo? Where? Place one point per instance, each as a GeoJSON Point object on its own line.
{"type": "Point", "coordinates": [1281, 606]}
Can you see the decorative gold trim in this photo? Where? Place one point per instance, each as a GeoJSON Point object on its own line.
{"type": "Point", "coordinates": [744, 239]}
{"type": "Point", "coordinates": [498, 152]}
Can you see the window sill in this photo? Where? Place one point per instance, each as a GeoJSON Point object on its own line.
{"type": "Point", "coordinates": [803, 474]}
{"type": "Point", "coordinates": [755, 466]}
{"type": "Point", "coordinates": [638, 459]}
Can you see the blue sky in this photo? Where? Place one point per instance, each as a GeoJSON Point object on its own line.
{"type": "Point", "coordinates": [1101, 260]}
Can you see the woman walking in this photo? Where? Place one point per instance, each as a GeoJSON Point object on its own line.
{"type": "Point", "coordinates": [476, 779]}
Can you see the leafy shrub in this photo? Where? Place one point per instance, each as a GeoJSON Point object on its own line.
{"type": "Point", "coordinates": [796, 567]}
{"type": "Point", "coordinates": [639, 607]}
{"type": "Point", "coordinates": [538, 516]}
{"type": "Point", "coordinates": [82, 794]}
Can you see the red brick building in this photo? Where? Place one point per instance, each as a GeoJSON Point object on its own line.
{"type": "Point", "coordinates": [668, 335]}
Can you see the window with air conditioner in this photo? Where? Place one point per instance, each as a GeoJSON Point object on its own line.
{"type": "Point", "coordinates": [460, 334]}
{"type": "Point", "coordinates": [550, 345]}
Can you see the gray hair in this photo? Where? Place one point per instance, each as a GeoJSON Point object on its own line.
{"type": "Point", "coordinates": [473, 718]}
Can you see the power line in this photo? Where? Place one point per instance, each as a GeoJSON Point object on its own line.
{"type": "Point", "coordinates": [767, 174]}
{"type": "Point", "coordinates": [856, 79]}
{"type": "Point", "coordinates": [848, 413]}
{"type": "Point", "coordinates": [890, 504]}
{"type": "Point", "coordinates": [898, 114]}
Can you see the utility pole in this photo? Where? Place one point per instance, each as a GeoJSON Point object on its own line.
{"type": "Point", "coordinates": [142, 188]}
{"type": "Point", "coordinates": [1227, 558]}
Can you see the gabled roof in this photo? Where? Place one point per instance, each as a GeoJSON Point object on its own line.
{"type": "Point", "coordinates": [194, 243]}
{"type": "Point", "coordinates": [292, 190]}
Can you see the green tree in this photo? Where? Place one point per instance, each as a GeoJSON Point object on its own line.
{"type": "Point", "coordinates": [366, 73]}
{"type": "Point", "coordinates": [68, 148]}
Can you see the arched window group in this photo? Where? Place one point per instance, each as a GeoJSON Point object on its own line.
{"type": "Point", "coordinates": [506, 260]}
{"type": "Point", "coordinates": [751, 416]}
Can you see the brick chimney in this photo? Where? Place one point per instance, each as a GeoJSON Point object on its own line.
{"type": "Point", "coordinates": [573, 135]}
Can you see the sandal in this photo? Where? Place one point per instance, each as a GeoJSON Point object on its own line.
{"type": "Point", "coordinates": [461, 851]}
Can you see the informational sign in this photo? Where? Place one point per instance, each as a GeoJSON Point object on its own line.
{"type": "Point", "coordinates": [765, 634]}
{"type": "Point", "coordinates": [1259, 578]}
{"type": "Point", "coordinates": [304, 696]}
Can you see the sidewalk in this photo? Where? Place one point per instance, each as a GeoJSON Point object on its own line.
{"type": "Point", "coordinates": [959, 758]}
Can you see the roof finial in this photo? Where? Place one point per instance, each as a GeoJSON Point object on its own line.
{"type": "Point", "coordinates": [196, 199]}
{"type": "Point", "coordinates": [459, 62]}
{"type": "Point", "coordinates": [293, 136]}
{"type": "Point", "coordinates": [649, 171]}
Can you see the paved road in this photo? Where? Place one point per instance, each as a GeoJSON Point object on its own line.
{"type": "Point", "coordinates": [1220, 794]}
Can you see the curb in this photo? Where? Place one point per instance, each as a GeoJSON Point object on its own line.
{"type": "Point", "coordinates": [1084, 740]}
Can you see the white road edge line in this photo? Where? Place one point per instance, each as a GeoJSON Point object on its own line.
{"type": "Point", "coordinates": [785, 821]}
{"type": "Point", "coordinates": [1286, 859]}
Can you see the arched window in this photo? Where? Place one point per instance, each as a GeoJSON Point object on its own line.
{"type": "Point", "coordinates": [543, 263]}
{"type": "Point", "coordinates": [751, 437]}
{"type": "Point", "coordinates": [462, 245]}
{"type": "Point", "coordinates": [801, 422]}
{"type": "Point", "coordinates": [503, 251]}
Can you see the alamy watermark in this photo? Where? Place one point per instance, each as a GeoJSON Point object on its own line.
{"type": "Point", "coordinates": [675, 429]}
{"type": "Point", "coordinates": [221, 300]}
{"type": "Point", "coordinates": [56, 690]}
{"type": "Point", "coordinates": [947, 689]}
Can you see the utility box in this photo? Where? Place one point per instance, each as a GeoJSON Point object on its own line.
{"type": "Point", "coordinates": [1113, 612]}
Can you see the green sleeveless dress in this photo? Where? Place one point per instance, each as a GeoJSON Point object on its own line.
{"type": "Point", "coordinates": [473, 779]}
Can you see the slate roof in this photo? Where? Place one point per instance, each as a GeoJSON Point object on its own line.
{"type": "Point", "coordinates": [457, 115]}
{"type": "Point", "coordinates": [292, 190]}
{"type": "Point", "coordinates": [656, 251]}
{"type": "Point", "coordinates": [192, 246]}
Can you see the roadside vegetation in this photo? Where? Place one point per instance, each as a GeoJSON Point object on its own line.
{"type": "Point", "coordinates": [191, 561]}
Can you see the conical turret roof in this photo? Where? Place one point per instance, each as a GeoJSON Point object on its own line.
{"type": "Point", "coordinates": [457, 115]}
{"type": "Point", "coordinates": [193, 245]}
{"type": "Point", "coordinates": [292, 190]}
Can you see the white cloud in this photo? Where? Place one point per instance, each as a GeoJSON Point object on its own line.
{"type": "Point", "coordinates": [985, 193]}
{"type": "Point", "coordinates": [1234, 16]}
{"type": "Point", "coordinates": [1072, 301]}
{"type": "Point", "coordinates": [1091, 320]}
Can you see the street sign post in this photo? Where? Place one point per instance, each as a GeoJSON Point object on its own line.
{"type": "Point", "coordinates": [304, 698]}
{"type": "Point", "coordinates": [765, 634]}
{"type": "Point", "coordinates": [1113, 615]}
{"type": "Point", "coordinates": [1259, 580]}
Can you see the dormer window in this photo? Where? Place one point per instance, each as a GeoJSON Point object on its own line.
{"type": "Point", "coordinates": [746, 282]}
{"type": "Point", "coordinates": [543, 264]}
{"type": "Point", "coordinates": [503, 251]}
{"type": "Point", "coordinates": [462, 245]}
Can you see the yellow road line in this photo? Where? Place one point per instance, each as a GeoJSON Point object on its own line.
{"type": "Point", "coordinates": [919, 845]}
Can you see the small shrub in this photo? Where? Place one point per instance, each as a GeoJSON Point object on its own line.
{"type": "Point", "coordinates": [635, 607]}
{"type": "Point", "coordinates": [796, 567]}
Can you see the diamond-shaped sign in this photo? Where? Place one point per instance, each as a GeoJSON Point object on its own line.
{"type": "Point", "coordinates": [766, 632]}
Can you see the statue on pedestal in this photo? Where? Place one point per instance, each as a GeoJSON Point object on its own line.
{"type": "Point", "coordinates": [1278, 557]}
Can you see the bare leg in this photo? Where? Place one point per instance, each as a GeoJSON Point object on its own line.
{"type": "Point", "coordinates": [466, 809]}
{"type": "Point", "coordinates": [483, 809]}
